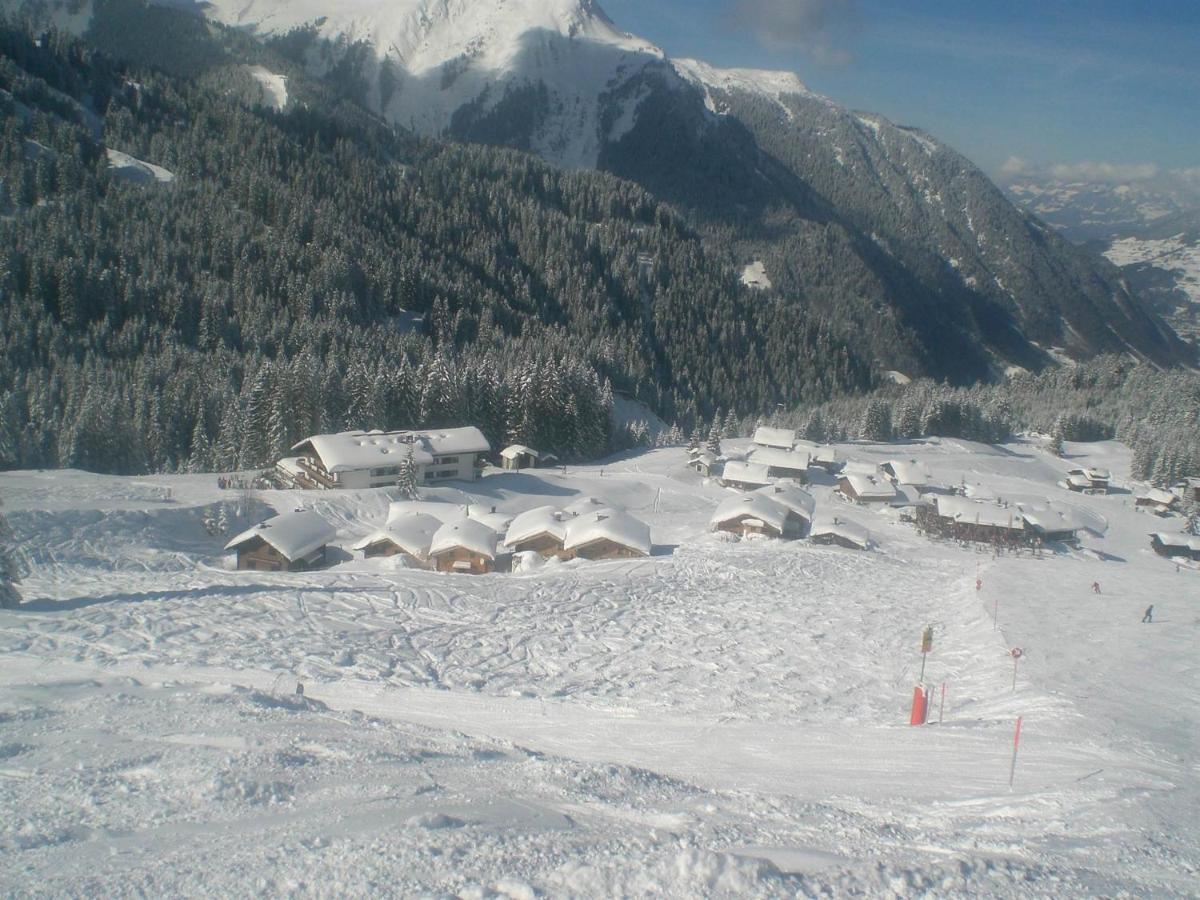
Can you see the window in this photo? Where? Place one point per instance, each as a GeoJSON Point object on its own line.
{"type": "Point", "coordinates": [385, 470]}
{"type": "Point", "coordinates": [444, 473]}
{"type": "Point", "coordinates": [446, 461]}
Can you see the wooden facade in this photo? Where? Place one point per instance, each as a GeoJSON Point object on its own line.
{"type": "Point", "coordinates": [386, 548]}
{"type": "Point", "coordinates": [463, 561]}
{"type": "Point", "coordinates": [604, 548]}
{"type": "Point", "coordinates": [833, 539]}
{"type": "Point", "coordinates": [749, 524]}
{"type": "Point", "coordinates": [545, 543]}
{"type": "Point", "coordinates": [1014, 536]}
{"type": "Point", "coordinates": [257, 555]}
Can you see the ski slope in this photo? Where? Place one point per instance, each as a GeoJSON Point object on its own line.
{"type": "Point", "coordinates": [722, 718]}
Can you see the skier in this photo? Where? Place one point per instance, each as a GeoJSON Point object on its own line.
{"type": "Point", "coordinates": [1095, 587]}
{"type": "Point", "coordinates": [1149, 614]}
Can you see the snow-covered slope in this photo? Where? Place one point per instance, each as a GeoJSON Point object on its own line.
{"type": "Point", "coordinates": [723, 718]}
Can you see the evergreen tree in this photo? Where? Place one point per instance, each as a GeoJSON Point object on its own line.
{"type": "Point", "coordinates": [408, 481]}
{"type": "Point", "coordinates": [9, 572]}
{"type": "Point", "coordinates": [1057, 437]}
{"type": "Point", "coordinates": [714, 439]}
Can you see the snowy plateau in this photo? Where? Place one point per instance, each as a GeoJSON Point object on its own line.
{"type": "Point", "coordinates": [722, 718]}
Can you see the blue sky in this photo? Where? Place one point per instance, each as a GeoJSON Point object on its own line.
{"type": "Point", "coordinates": [1054, 82]}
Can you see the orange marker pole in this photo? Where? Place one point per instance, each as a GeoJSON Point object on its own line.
{"type": "Point", "coordinates": [1012, 769]}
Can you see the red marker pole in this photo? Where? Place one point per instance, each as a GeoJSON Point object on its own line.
{"type": "Point", "coordinates": [1012, 769]}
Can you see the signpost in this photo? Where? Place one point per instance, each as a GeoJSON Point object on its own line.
{"type": "Point", "coordinates": [926, 646]}
{"type": "Point", "coordinates": [1017, 653]}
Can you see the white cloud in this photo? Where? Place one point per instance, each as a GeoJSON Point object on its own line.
{"type": "Point", "coordinates": [819, 28]}
{"type": "Point", "coordinates": [1103, 171]}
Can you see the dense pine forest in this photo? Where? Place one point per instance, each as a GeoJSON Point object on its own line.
{"type": "Point", "coordinates": [316, 270]}
{"type": "Point", "coordinates": [1156, 413]}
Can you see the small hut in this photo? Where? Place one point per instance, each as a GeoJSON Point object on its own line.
{"type": "Point", "coordinates": [860, 487]}
{"type": "Point", "coordinates": [464, 546]}
{"type": "Point", "coordinates": [518, 456]}
{"type": "Point", "coordinates": [606, 534]}
{"type": "Point", "coordinates": [292, 542]}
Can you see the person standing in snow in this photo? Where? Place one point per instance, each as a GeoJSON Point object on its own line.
{"type": "Point", "coordinates": [1095, 587]}
{"type": "Point", "coordinates": [1148, 616]}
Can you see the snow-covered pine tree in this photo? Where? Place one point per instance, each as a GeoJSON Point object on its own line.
{"type": "Point", "coordinates": [1057, 436]}
{"type": "Point", "coordinates": [730, 428]}
{"type": "Point", "coordinates": [9, 573]}
{"type": "Point", "coordinates": [814, 429]}
{"type": "Point", "coordinates": [714, 438]}
{"type": "Point", "coordinates": [408, 481]}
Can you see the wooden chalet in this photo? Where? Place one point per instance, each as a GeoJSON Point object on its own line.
{"type": "Point", "coordinates": [860, 487]}
{"type": "Point", "coordinates": [1087, 480]}
{"type": "Point", "coordinates": [779, 438]}
{"type": "Point", "coordinates": [756, 514]}
{"type": "Point", "coordinates": [464, 546]}
{"type": "Point", "coordinates": [704, 462]}
{"type": "Point", "coordinates": [962, 519]}
{"type": "Point", "coordinates": [518, 456]}
{"type": "Point", "coordinates": [840, 532]}
{"type": "Point", "coordinates": [1176, 546]}
{"type": "Point", "coordinates": [744, 476]}
{"type": "Point", "coordinates": [542, 530]}
{"type": "Point", "coordinates": [606, 534]}
{"type": "Point", "coordinates": [1158, 501]}
{"type": "Point", "coordinates": [291, 542]}
{"type": "Point", "coordinates": [409, 535]}
{"type": "Point", "coordinates": [795, 498]}
{"type": "Point", "coordinates": [791, 464]}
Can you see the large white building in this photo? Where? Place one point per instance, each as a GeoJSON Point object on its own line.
{"type": "Point", "coordinates": [367, 459]}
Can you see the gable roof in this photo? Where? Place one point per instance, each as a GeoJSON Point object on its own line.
{"type": "Point", "coordinates": [845, 528]}
{"type": "Point", "coordinates": [1158, 495]}
{"type": "Point", "coordinates": [756, 505]}
{"type": "Point", "coordinates": [512, 451]}
{"type": "Point", "coordinates": [540, 520]}
{"type": "Point", "coordinates": [767, 436]}
{"type": "Point", "coordinates": [796, 499]}
{"type": "Point", "coordinates": [608, 524]}
{"type": "Point", "coordinates": [294, 534]}
{"type": "Point", "coordinates": [467, 534]}
{"type": "Point", "coordinates": [1180, 540]}
{"type": "Point", "coordinates": [412, 532]}
{"type": "Point", "coordinates": [962, 509]}
{"type": "Point", "coordinates": [873, 486]}
{"type": "Point", "coordinates": [745, 473]}
{"type": "Point", "coordinates": [780, 459]}
{"type": "Point", "coordinates": [908, 471]}
{"type": "Point", "coordinates": [352, 450]}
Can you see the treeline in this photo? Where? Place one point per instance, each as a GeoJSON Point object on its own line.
{"type": "Point", "coordinates": [1155, 412]}
{"type": "Point", "coordinates": [307, 253]}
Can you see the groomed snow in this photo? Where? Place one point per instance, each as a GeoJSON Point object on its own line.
{"type": "Point", "coordinates": [722, 718]}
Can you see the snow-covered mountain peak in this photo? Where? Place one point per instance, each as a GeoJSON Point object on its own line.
{"type": "Point", "coordinates": [767, 82]}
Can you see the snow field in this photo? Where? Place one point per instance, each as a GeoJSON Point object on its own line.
{"type": "Point", "coordinates": [723, 718]}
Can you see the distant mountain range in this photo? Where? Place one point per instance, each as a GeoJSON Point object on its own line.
{"type": "Point", "coordinates": [879, 227]}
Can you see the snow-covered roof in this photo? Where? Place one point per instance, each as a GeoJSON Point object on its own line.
{"type": "Point", "coordinates": [767, 436]}
{"type": "Point", "coordinates": [1178, 540]}
{"type": "Point", "coordinates": [1056, 516]}
{"type": "Point", "coordinates": [352, 450]}
{"type": "Point", "coordinates": [703, 456]}
{"type": "Point", "coordinates": [745, 473]}
{"type": "Point", "coordinates": [611, 524]}
{"type": "Point", "coordinates": [512, 451]}
{"type": "Point", "coordinates": [962, 509]}
{"type": "Point", "coordinates": [1079, 479]}
{"type": "Point", "coordinates": [845, 528]}
{"type": "Point", "coordinates": [860, 467]}
{"type": "Point", "coordinates": [756, 505]}
{"type": "Point", "coordinates": [794, 498]}
{"type": "Point", "coordinates": [869, 487]}
{"type": "Point", "coordinates": [413, 533]}
{"type": "Point", "coordinates": [908, 495]}
{"type": "Point", "coordinates": [467, 534]}
{"type": "Point", "coordinates": [909, 471]}
{"type": "Point", "coordinates": [291, 465]}
{"type": "Point", "coordinates": [780, 459]}
{"type": "Point", "coordinates": [585, 504]}
{"type": "Point", "coordinates": [443, 512]}
{"type": "Point", "coordinates": [531, 523]}
{"type": "Point", "coordinates": [1158, 495]}
{"type": "Point", "coordinates": [1093, 474]}
{"type": "Point", "coordinates": [293, 534]}
{"type": "Point", "coordinates": [497, 521]}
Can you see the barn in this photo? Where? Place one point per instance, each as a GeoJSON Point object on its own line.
{"type": "Point", "coordinates": [291, 542]}
{"type": "Point", "coordinates": [782, 463]}
{"type": "Point", "coordinates": [518, 456]}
